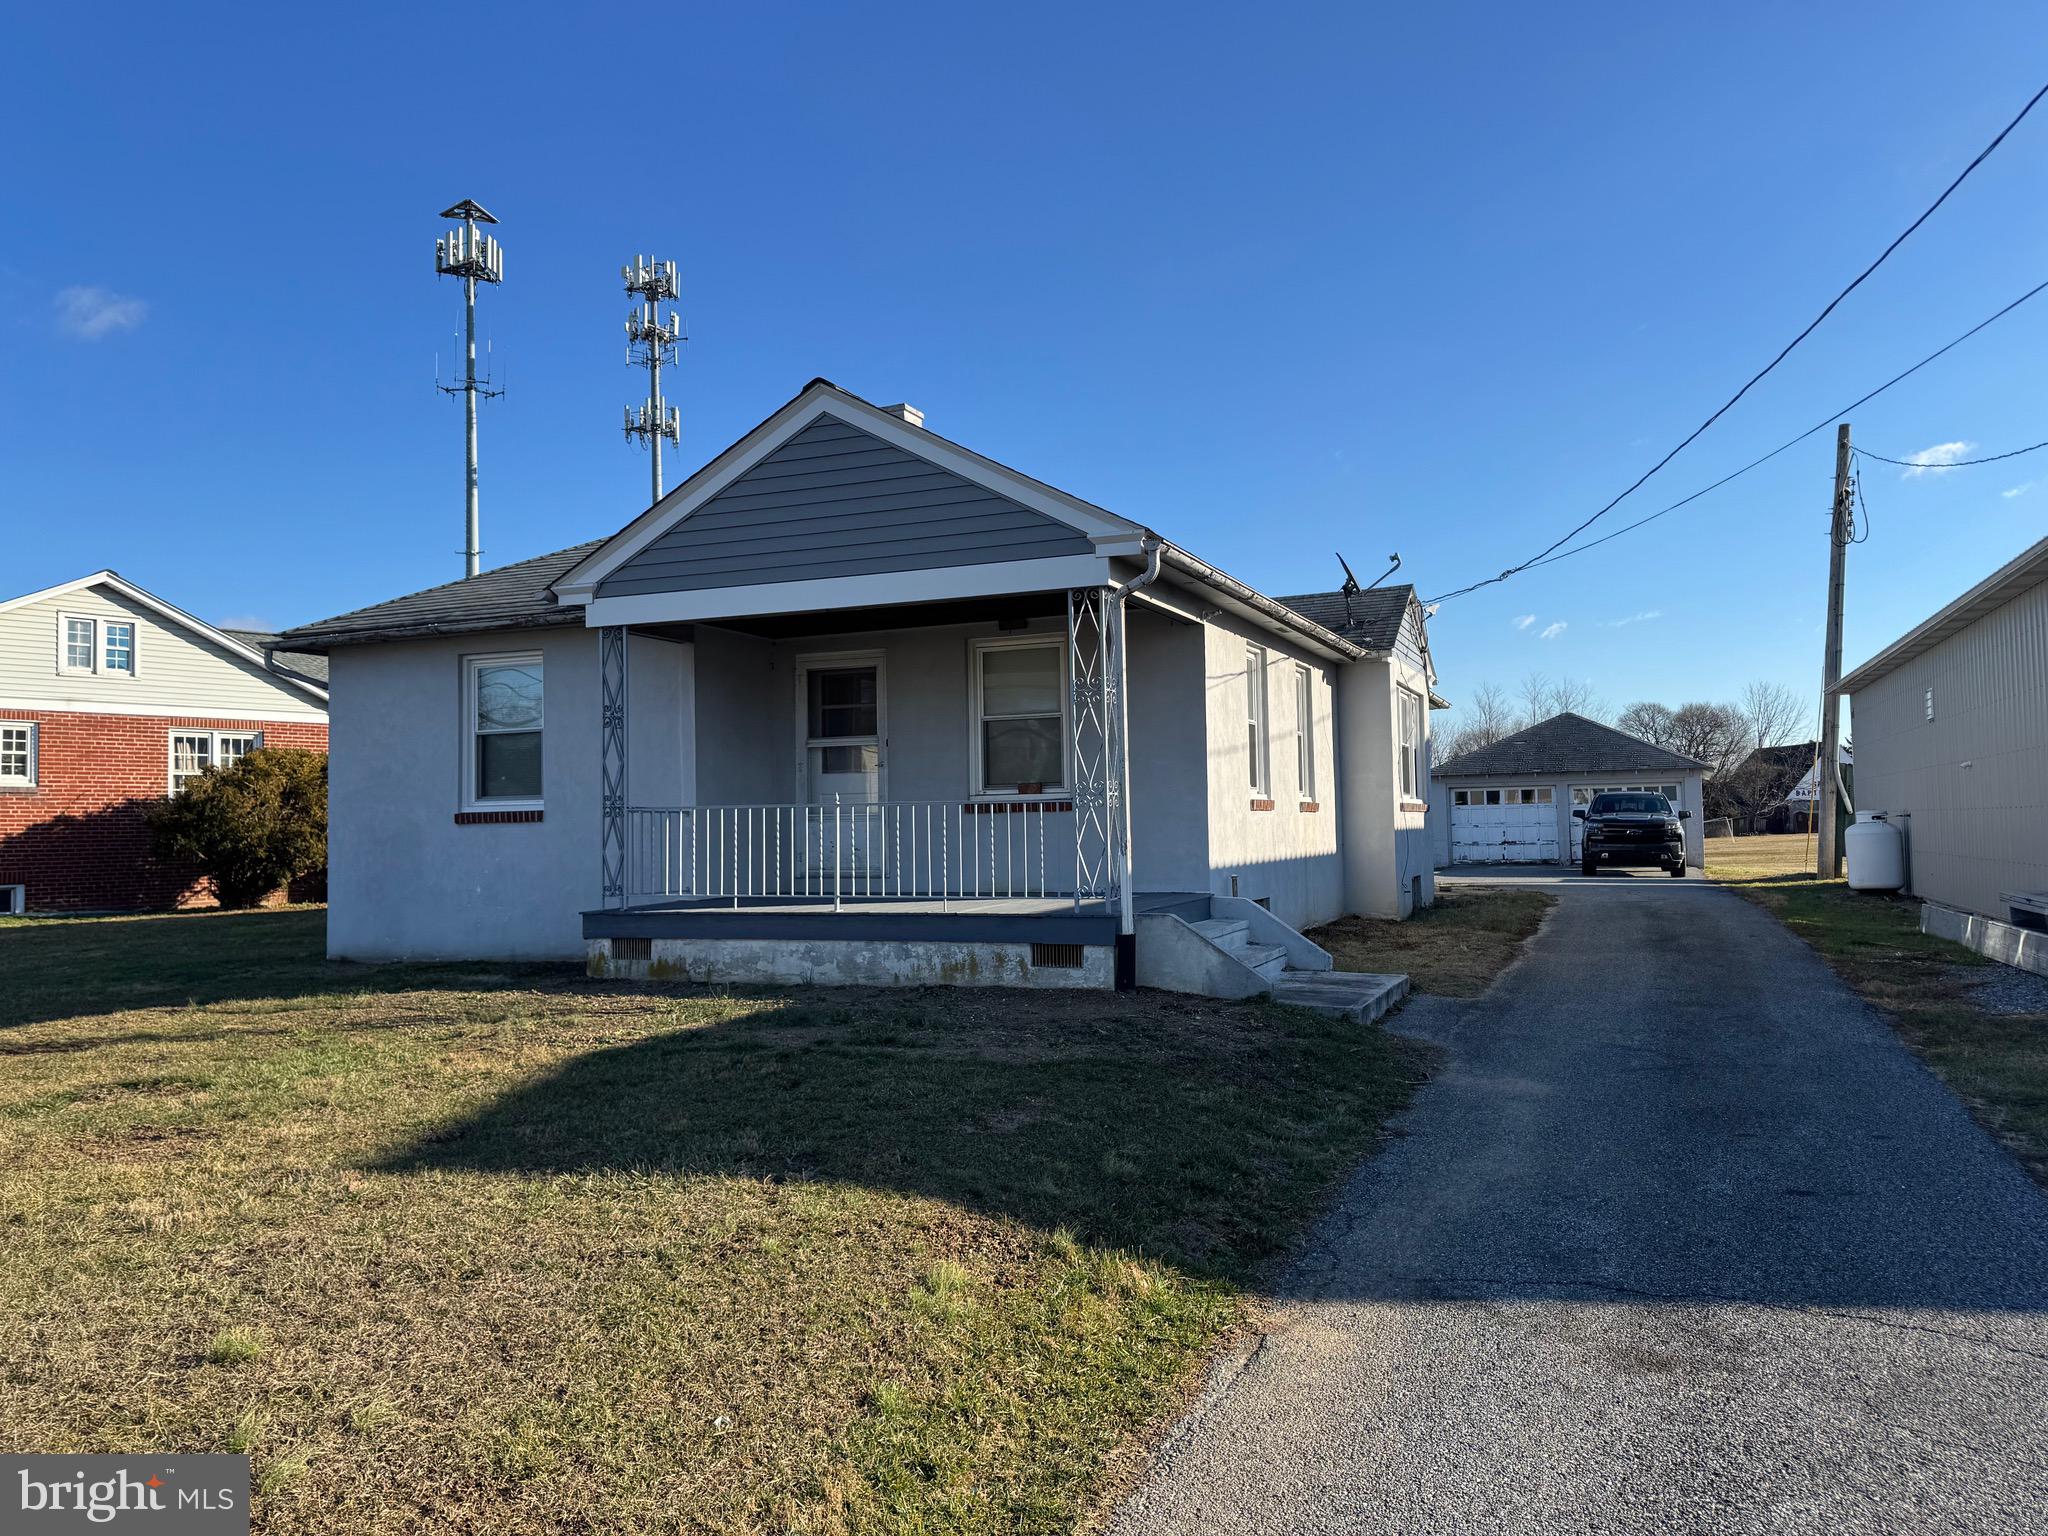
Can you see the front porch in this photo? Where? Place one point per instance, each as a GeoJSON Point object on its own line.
{"type": "Point", "coordinates": [1008, 861]}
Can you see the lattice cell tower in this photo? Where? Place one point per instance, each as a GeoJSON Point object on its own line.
{"type": "Point", "coordinates": [650, 344]}
{"type": "Point", "coordinates": [475, 258]}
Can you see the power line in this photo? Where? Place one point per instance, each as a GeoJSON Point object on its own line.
{"type": "Point", "coordinates": [1811, 326]}
{"type": "Point", "coordinates": [1951, 463]}
{"type": "Point", "coordinates": [1793, 442]}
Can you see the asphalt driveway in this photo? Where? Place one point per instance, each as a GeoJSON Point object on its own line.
{"type": "Point", "coordinates": [1680, 1240]}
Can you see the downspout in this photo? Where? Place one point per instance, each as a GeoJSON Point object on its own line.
{"type": "Point", "coordinates": [1126, 920]}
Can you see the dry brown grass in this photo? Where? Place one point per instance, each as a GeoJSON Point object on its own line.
{"type": "Point", "coordinates": [1454, 947]}
{"type": "Point", "coordinates": [1778, 853]}
{"type": "Point", "coordinates": [456, 1250]}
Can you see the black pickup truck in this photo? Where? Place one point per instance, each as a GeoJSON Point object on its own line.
{"type": "Point", "coordinates": [1632, 828]}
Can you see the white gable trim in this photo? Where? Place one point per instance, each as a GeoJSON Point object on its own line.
{"type": "Point", "coordinates": [174, 615]}
{"type": "Point", "coordinates": [876, 590]}
{"type": "Point", "coordinates": [1111, 534]}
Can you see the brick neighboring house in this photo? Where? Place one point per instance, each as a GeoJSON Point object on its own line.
{"type": "Point", "coordinates": [109, 698]}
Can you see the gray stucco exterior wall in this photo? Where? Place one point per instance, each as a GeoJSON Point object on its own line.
{"type": "Point", "coordinates": [405, 879]}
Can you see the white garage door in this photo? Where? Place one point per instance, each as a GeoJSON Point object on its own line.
{"type": "Point", "coordinates": [1503, 826]}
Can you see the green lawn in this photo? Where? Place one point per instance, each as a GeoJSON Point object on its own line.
{"type": "Point", "coordinates": [461, 1249]}
{"type": "Point", "coordinates": [1996, 1062]}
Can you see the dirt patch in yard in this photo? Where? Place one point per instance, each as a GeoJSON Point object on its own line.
{"type": "Point", "coordinates": [1454, 948]}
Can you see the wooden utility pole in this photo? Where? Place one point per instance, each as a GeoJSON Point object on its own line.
{"type": "Point", "coordinates": [1828, 865]}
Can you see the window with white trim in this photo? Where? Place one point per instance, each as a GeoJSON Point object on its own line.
{"type": "Point", "coordinates": [191, 755]}
{"type": "Point", "coordinates": [193, 752]}
{"type": "Point", "coordinates": [18, 754]}
{"type": "Point", "coordinates": [1305, 732]}
{"type": "Point", "coordinates": [1259, 751]}
{"type": "Point", "coordinates": [93, 645]}
{"type": "Point", "coordinates": [1411, 743]}
{"type": "Point", "coordinates": [77, 644]}
{"type": "Point", "coordinates": [117, 646]}
{"type": "Point", "coordinates": [1020, 716]}
{"type": "Point", "coordinates": [505, 712]}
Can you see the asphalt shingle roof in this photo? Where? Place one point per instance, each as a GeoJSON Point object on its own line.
{"type": "Point", "coordinates": [1371, 619]}
{"type": "Point", "coordinates": [300, 664]}
{"type": "Point", "coordinates": [511, 597]}
{"type": "Point", "coordinates": [1565, 744]}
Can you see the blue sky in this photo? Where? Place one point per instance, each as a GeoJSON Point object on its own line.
{"type": "Point", "coordinates": [1275, 280]}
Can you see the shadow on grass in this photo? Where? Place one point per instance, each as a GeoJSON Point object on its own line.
{"type": "Point", "coordinates": [1200, 1132]}
{"type": "Point", "coordinates": [65, 968]}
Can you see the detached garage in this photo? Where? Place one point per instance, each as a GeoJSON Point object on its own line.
{"type": "Point", "coordinates": [1512, 802]}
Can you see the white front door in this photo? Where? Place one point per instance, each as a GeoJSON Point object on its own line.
{"type": "Point", "coordinates": [1503, 826]}
{"type": "Point", "coordinates": [841, 710]}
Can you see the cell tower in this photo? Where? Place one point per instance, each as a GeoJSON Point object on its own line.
{"type": "Point", "coordinates": [650, 343]}
{"type": "Point", "coordinates": [475, 258]}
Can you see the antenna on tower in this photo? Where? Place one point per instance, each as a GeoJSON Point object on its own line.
{"type": "Point", "coordinates": [474, 257]}
{"type": "Point", "coordinates": [650, 344]}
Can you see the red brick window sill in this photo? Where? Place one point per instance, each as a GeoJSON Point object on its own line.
{"type": "Point", "coordinates": [494, 818]}
{"type": "Point", "coordinates": [1311, 806]}
{"type": "Point", "coordinates": [1262, 805]}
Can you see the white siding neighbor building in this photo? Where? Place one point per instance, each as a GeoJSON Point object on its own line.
{"type": "Point", "coordinates": [1951, 732]}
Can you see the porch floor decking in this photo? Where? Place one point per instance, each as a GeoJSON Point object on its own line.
{"type": "Point", "coordinates": [1038, 919]}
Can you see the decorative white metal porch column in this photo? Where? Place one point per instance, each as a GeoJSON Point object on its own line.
{"type": "Point", "coordinates": [1096, 669]}
{"type": "Point", "coordinates": [611, 666]}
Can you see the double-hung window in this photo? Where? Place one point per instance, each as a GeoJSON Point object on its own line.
{"type": "Point", "coordinates": [191, 755]}
{"type": "Point", "coordinates": [1305, 732]}
{"type": "Point", "coordinates": [505, 714]}
{"type": "Point", "coordinates": [17, 754]}
{"type": "Point", "coordinates": [94, 645]}
{"type": "Point", "coordinates": [193, 752]}
{"type": "Point", "coordinates": [1020, 731]}
{"type": "Point", "coordinates": [1411, 744]}
{"type": "Point", "coordinates": [117, 647]}
{"type": "Point", "coordinates": [1259, 751]}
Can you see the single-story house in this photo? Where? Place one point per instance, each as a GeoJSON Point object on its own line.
{"type": "Point", "coordinates": [1512, 802]}
{"type": "Point", "coordinates": [1951, 726]}
{"type": "Point", "coordinates": [856, 703]}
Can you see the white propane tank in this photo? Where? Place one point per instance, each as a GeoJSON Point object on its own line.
{"type": "Point", "coordinates": [1876, 853]}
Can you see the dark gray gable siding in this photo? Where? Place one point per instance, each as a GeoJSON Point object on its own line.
{"type": "Point", "coordinates": [835, 501]}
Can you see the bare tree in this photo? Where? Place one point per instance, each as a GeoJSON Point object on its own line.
{"type": "Point", "coordinates": [1716, 734]}
{"type": "Point", "coordinates": [1773, 713]}
{"type": "Point", "coordinates": [1544, 696]}
{"type": "Point", "coordinates": [1647, 720]}
{"type": "Point", "coordinates": [1484, 719]}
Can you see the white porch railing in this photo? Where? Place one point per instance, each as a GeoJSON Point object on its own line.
{"type": "Point", "coordinates": [932, 850]}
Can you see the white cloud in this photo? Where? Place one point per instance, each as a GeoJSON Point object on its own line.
{"type": "Point", "coordinates": [1525, 621]}
{"type": "Point", "coordinates": [1934, 460]}
{"type": "Point", "coordinates": [2018, 490]}
{"type": "Point", "coordinates": [1635, 618]}
{"type": "Point", "coordinates": [245, 621]}
{"type": "Point", "coordinates": [93, 313]}
{"type": "Point", "coordinates": [1552, 631]}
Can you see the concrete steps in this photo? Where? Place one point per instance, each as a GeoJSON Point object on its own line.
{"type": "Point", "coordinates": [1360, 996]}
{"type": "Point", "coordinates": [1229, 942]}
